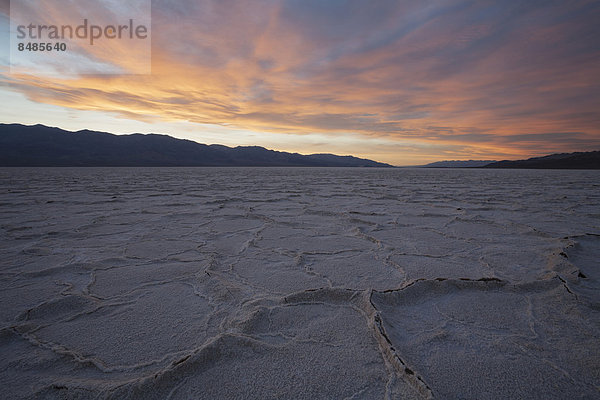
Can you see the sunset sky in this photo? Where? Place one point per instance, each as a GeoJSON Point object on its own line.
{"type": "Point", "coordinates": [403, 82]}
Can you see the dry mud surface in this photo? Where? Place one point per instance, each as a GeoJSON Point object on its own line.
{"type": "Point", "coordinates": [233, 283]}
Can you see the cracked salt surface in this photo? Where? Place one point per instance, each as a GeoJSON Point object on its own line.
{"type": "Point", "coordinates": [258, 283]}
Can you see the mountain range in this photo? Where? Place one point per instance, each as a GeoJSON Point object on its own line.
{"type": "Point", "coordinates": [43, 146]}
{"type": "Point", "coordinates": [579, 160]}
{"type": "Point", "coordinates": [40, 145]}
{"type": "Point", "coordinates": [458, 164]}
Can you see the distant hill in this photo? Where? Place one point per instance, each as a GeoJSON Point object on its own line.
{"type": "Point", "coordinates": [458, 164]}
{"type": "Point", "coordinates": [580, 160]}
{"type": "Point", "coordinates": [40, 145]}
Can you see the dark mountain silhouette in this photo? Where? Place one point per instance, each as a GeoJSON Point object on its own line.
{"type": "Point", "coordinates": [40, 145]}
{"type": "Point", "coordinates": [458, 164]}
{"type": "Point", "coordinates": [580, 160]}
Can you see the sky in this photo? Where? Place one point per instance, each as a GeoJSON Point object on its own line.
{"type": "Point", "coordinates": [403, 82]}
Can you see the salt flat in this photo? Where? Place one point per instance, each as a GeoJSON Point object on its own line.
{"type": "Point", "coordinates": [263, 283]}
